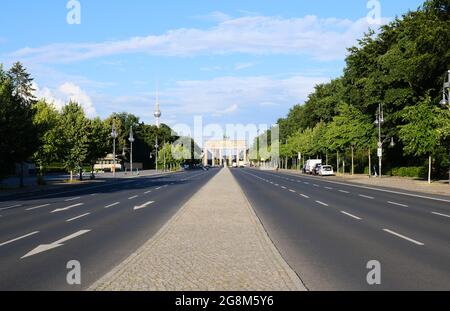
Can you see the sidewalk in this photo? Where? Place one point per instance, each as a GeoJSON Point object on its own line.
{"type": "Point", "coordinates": [214, 243]}
{"type": "Point", "coordinates": [403, 183]}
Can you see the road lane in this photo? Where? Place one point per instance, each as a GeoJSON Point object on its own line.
{"type": "Point", "coordinates": [330, 249]}
{"type": "Point", "coordinates": [114, 233]}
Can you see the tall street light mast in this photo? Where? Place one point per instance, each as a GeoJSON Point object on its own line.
{"type": "Point", "coordinates": [131, 139]}
{"type": "Point", "coordinates": [114, 136]}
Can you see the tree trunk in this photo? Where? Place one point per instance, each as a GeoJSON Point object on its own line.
{"type": "Point", "coordinates": [337, 162]}
{"type": "Point", "coordinates": [71, 176]}
{"type": "Point", "coordinates": [353, 166]}
{"type": "Point", "coordinates": [21, 175]}
{"type": "Point", "coordinates": [429, 169]}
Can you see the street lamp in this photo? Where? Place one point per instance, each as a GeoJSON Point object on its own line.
{"type": "Point", "coordinates": [445, 102]}
{"type": "Point", "coordinates": [156, 154]}
{"type": "Point", "coordinates": [114, 136]}
{"type": "Point", "coordinates": [379, 120]}
{"type": "Point", "coordinates": [131, 139]}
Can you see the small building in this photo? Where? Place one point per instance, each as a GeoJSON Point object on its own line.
{"type": "Point", "coordinates": [106, 164]}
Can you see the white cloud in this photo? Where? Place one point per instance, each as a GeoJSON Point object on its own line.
{"type": "Point", "coordinates": [225, 95]}
{"type": "Point", "coordinates": [242, 66]}
{"type": "Point", "coordinates": [318, 38]}
{"type": "Point", "coordinates": [65, 93]}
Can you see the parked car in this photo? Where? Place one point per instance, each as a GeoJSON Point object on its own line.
{"type": "Point", "coordinates": [326, 170]}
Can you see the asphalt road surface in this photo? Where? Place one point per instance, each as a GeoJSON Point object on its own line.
{"type": "Point", "coordinates": [97, 225]}
{"type": "Point", "coordinates": [328, 231]}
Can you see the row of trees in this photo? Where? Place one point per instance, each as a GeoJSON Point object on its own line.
{"type": "Point", "coordinates": [402, 67]}
{"type": "Point", "coordinates": [34, 130]}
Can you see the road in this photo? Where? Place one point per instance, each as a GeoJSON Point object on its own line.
{"type": "Point", "coordinates": [328, 231]}
{"type": "Point", "coordinates": [97, 225]}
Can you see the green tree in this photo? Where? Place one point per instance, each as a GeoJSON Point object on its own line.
{"type": "Point", "coordinates": [76, 136]}
{"type": "Point", "coordinates": [424, 130]}
{"type": "Point", "coordinates": [47, 122]}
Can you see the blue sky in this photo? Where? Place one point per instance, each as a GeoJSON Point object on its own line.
{"type": "Point", "coordinates": [229, 61]}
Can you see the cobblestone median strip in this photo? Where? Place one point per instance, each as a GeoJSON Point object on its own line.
{"type": "Point", "coordinates": [214, 243]}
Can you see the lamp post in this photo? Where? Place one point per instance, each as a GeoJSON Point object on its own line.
{"type": "Point", "coordinates": [114, 136]}
{"type": "Point", "coordinates": [131, 139]}
{"type": "Point", "coordinates": [445, 102]}
{"type": "Point", "coordinates": [156, 154]}
{"type": "Point", "coordinates": [379, 120]}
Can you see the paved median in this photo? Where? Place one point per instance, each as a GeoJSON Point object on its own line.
{"type": "Point", "coordinates": [215, 242]}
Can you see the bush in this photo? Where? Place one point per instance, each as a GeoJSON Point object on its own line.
{"type": "Point", "coordinates": [415, 172]}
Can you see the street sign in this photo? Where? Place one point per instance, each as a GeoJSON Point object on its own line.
{"type": "Point", "coordinates": [380, 144]}
{"type": "Point", "coordinates": [380, 152]}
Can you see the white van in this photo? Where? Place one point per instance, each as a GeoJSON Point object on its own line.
{"type": "Point", "coordinates": [310, 165]}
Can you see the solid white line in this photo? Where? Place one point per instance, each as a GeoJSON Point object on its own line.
{"type": "Point", "coordinates": [353, 216]}
{"type": "Point", "coordinates": [10, 207]}
{"type": "Point", "coordinates": [343, 191]}
{"type": "Point", "coordinates": [439, 214]}
{"type": "Point", "coordinates": [403, 237]}
{"type": "Point", "coordinates": [78, 217]}
{"type": "Point", "coordinates": [321, 203]}
{"type": "Point", "coordinates": [19, 238]}
{"type": "Point", "coordinates": [111, 205]}
{"type": "Point", "coordinates": [366, 196]}
{"type": "Point", "coordinates": [66, 208]}
{"type": "Point", "coordinates": [36, 207]}
{"type": "Point", "coordinates": [305, 196]}
{"type": "Point", "coordinates": [72, 199]}
{"type": "Point", "coordinates": [133, 197]}
{"type": "Point", "coordinates": [398, 204]}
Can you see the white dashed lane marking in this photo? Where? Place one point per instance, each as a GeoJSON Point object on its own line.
{"type": "Point", "coordinates": [72, 199]}
{"type": "Point", "coordinates": [366, 196]}
{"type": "Point", "coordinates": [398, 204]}
{"type": "Point", "coordinates": [343, 191]}
{"type": "Point", "coordinates": [440, 214]}
{"type": "Point", "coordinates": [77, 217]}
{"type": "Point", "coordinates": [19, 238]}
{"type": "Point", "coordinates": [10, 207]}
{"type": "Point", "coordinates": [111, 205]}
{"type": "Point", "coordinates": [350, 215]}
{"type": "Point", "coordinates": [321, 203]}
{"type": "Point", "coordinates": [37, 207]}
{"type": "Point", "coordinates": [133, 197]}
{"type": "Point", "coordinates": [403, 237]}
{"type": "Point", "coordinates": [66, 208]}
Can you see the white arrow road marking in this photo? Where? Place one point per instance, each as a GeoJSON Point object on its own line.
{"type": "Point", "coordinates": [10, 207]}
{"type": "Point", "coordinates": [19, 238]}
{"type": "Point", "coordinates": [46, 247]}
{"type": "Point", "coordinates": [66, 208]}
{"type": "Point", "coordinates": [111, 205]}
{"type": "Point", "coordinates": [143, 205]}
{"type": "Point", "coordinates": [78, 217]}
{"type": "Point", "coordinates": [37, 207]}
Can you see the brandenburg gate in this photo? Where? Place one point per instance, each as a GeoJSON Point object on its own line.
{"type": "Point", "coordinates": [224, 152]}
